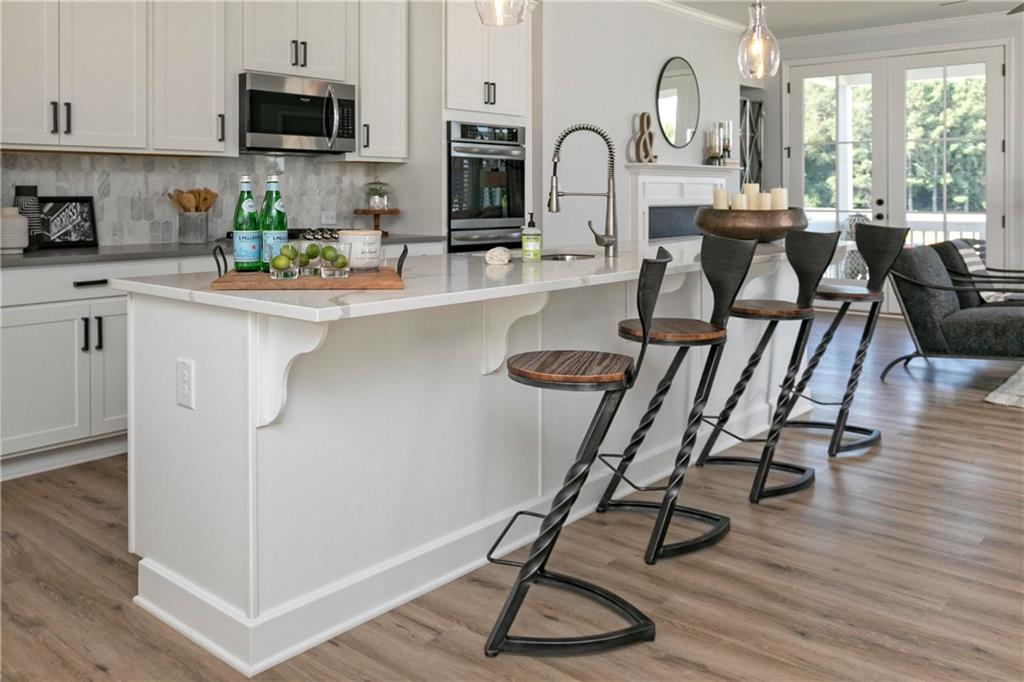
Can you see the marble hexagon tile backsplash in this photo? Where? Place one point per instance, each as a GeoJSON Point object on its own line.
{"type": "Point", "coordinates": [130, 192]}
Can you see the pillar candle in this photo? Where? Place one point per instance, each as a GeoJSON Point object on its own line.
{"type": "Point", "coordinates": [739, 202]}
{"type": "Point", "coordinates": [751, 189]}
{"type": "Point", "coordinates": [780, 199]}
{"type": "Point", "coordinates": [721, 198]}
{"type": "Point", "coordinates": [764, 201]}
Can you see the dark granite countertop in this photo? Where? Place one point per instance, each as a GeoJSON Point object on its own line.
{"type": "Point", "coordinates": [105, 254]}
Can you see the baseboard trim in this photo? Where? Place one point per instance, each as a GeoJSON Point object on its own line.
{"type": "Point", "coordinates": [252, 645]}
{"type": "Point", "coordinates": [37, 462]}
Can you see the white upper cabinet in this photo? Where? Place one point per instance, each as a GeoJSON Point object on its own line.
{"type": "Point", "coordinates": [270, 38]}
{"type": "Point", "coordinates": [103, 74]}
{"type": "Point", "coordinates": [189, 100]}
{"type": "Point", "coordinates": [383, 92]}
{"type": "Point", "coordinates": [486, 68]}
{"type": "Point", "coordinates": [301, 38]}
{"type": "Point", "coordinates": [31, 94]}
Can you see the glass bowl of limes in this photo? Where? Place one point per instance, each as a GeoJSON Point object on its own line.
{"type": "Point", "coordinates": [309, 256]}
{"type": "Point", "coordinates": [285, 265]}
{"type": "Point", "coordinates": [334, 259]}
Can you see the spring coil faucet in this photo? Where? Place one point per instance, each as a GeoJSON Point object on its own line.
{"type": "Point", "coordinates": [608, 240]}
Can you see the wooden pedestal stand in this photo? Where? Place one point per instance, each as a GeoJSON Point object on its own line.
{"type": "Point", "coordinates": [377, 213]}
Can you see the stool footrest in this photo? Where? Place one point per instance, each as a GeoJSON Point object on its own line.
{"type": "Point", "coordinates": [870, 436]}
{"type": "Point", "coordinates": [720, 525]}
{"type": "Point", "coordinates": [639, 488]}
{"type": "Point", "coordinates": [508, 526]}
{"type": "Point", "coordinates": [822, 403]}
{"type": "Point", "coordinates": [713, 421]}
{"type": "Point", "coordinates": [805, 474]}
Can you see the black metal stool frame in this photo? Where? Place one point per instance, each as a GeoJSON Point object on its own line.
{"type": "Point", "coordinates": [725, 263]}
{"type": "Point", "coordinates": [534, 569]}
{"type": "Point", "coordinates": [809, 254]}
{"type": "Point", "coordinates": [880, 246]}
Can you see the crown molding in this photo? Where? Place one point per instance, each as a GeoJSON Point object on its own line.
{"type": "Point", "coordinates": [678, 8]}
{"type": "Point", "coordinates": [893, 29]}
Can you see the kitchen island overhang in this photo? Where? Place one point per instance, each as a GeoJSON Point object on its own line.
{"type": "Point", "coordinates": [350, 451]}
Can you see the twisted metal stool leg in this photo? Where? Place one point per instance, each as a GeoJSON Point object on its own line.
{"type": "Point", "coordinates": [646, 422]}
{"type": "Point", "coordinates": [851, 385]}
{"type": "Point", "coordinates": [819, 352]}
{"type": "Point", "coordinates": [533, 570]}
{"type": "Point", "coordinates": [737, 392]}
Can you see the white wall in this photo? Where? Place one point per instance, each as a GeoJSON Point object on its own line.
{"type": "Point", "coordinates": [926, 37]}
{"type": "Point", "coordinates": [599, 63]}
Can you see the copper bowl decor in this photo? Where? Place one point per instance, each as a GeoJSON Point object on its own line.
{"type": "Point", "coordinates": [764, 226]}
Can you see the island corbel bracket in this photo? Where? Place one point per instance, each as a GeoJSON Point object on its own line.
{"type": "Point", "coordinates": [498, 317]}
{"type": "Point", "coordinates": [278, 342]}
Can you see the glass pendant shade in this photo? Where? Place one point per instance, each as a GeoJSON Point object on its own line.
{"type": "Point", "coordinates": [759, 54]}
{"type": "Point", "coordinates": [502, 12]}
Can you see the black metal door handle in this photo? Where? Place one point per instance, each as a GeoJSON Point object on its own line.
{"type": "Point", "coordinates": [305, 53]}
{"type": "Point", "coordinates": [295, 53]}
{"type": "Point", "coordinates": [89, 283]}
{"type": "Point", "coordinates": [880, 202]}
{"type": "Point", "coordinates": [55, 111]}
{"type": "Point", "coordinates": [879, 216]}
{"type": "Point", "coordinates": [67, 118]}
{"type": "Point", "coordinates": [494, 93]}
{"type": "Point", "coordinates": [487, 92]}
{"type": "Point", "coordinates": [99, 332]}
{"type": "Point", "coordinates": [366, 135]}
{"type": "Point", "coordinates": [220, 119]}
{"type": "Point", "coordinates": [85, 331]}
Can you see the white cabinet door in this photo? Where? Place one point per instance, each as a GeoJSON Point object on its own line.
{"type": "Point", "coordinates": [103, 74]}
{"type": "Point", "coordinates": [383, 79]}
{"type": "Point", "coordinates": [108, 357]}
{"type": "Point", "coordinates": [45, 380]}
{"type": "Point", "coordinates": [189, 106]}
{"type": "Point", "coordinates": [31, 97]}
{"type": "Point", "coordinates": [270, 36]}
{"type": "Point", "coordinates": [327, 39]}
{"type": "Point", "coordinates": [507, 62]}
{"type": "Point", "coordinates": [465, 58]}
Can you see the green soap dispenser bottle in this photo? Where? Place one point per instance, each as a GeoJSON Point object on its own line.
{"type": "Point", "coordinates": [531, 242]}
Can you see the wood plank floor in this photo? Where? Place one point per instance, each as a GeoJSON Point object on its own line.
{"type": "Point", "coordinates": [905, 563]}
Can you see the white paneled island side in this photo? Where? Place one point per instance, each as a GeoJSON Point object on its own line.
{"type": "Point", "coordinates": [348, 451]}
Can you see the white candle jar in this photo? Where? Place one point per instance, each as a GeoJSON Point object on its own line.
{"type": "Point", "coordinates": [367, 251]}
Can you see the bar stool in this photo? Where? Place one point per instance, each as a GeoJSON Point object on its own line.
{"type": "Point", "coordinates": [809, 254]}
{"type": "Point", "coordinates": [879, 246]}
{"type": "Point", "coordinates": [568, 370]}
{"type": "Point", "coordinates": [725, 263]}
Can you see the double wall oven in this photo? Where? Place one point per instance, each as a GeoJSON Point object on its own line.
{"type": "Point", "coordinates": [486, 186]}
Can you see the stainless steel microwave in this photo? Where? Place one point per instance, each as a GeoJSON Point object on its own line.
{"type": "Point", "coordinates": [289, 114]}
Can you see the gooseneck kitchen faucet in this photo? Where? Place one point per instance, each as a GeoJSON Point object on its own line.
{"type": "Point", "coordinates": [608, 240]}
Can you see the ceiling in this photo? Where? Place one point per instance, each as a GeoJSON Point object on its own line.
{"type": "Point", "coordinates": [788, 18]}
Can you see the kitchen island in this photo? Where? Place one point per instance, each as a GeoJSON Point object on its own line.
{"type": "Point", "coordinates": [339, 453]}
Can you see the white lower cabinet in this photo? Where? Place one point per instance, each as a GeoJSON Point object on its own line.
{"type": "Point", "coordinates": [108, 366]}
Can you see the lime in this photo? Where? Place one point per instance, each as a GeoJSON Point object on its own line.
{"type": "Point", "coordinates": [281, 262]}
{"type": "Point", "coordinates": [340, 261]}
{"type": "Point", "coordinates": [329, 253]}
{"type": "Point", "coordinates": [313, 250]}
{"type": "Point", "coordinates": [303, 260]}
{"type": "Point", "coordinates": [289, 251]}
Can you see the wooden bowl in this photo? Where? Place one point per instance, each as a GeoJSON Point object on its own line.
{"type": "Point", "coordinates": [764, 226]}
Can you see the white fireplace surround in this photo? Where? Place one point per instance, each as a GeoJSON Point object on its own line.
{"type": "Point", "coordinates": [655, 184]}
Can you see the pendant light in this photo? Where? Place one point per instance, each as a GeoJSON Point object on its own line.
{"type": "Point", "coordinates": [759, 55]}
{"type": "Point", "coordinates": [502, 12]}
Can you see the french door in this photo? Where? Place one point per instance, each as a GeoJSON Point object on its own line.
{"type": "Point", "coordinates": [910, 140]}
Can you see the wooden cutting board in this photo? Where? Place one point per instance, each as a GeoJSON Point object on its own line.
{"type": "Point", "coordinates": [385, 278]}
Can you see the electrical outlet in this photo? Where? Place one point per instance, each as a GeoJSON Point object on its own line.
{"type": "Point", "coordinates": [328, 217]}
{"type": "Point", "coordinates": [185, 383]}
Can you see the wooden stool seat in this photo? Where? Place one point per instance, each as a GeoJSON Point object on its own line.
{"type": "Point", "coordinates": [768, 309]}
{"type": "Point", "coordinates": [674, 331]}
{"type": "Point", "coordinates": [575, 369]}
{"type": "Point", "coordinates": [840, 291]}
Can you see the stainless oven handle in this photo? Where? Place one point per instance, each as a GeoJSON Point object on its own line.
{"type": "Point", "coordinates": [474, 236]}
{"type": "Point", "coordinates": [478, 152]}
{"type": "Point", "coordinates": [336, 120]}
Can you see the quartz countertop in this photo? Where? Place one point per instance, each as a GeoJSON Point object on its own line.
{"type": "Point", "coordinates": [432, 281]}
{"type": "Point", "coordinates": [123, 252]}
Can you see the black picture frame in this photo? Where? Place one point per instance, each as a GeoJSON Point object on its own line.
{"type": "Point", "coordinates": [76, 223]}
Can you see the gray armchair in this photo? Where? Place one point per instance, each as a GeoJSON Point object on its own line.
{"type": "Point", "coordinates": [971, 275]}
{"type": "Point", "coordinates": [940, 325]}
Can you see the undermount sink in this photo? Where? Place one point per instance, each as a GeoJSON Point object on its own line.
{"type": "Point", "coordinates": [567, 256]}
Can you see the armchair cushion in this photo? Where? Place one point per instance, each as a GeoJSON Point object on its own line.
{"type": "Point", "coordinates": [925, 308]}
{"type": "Point", "coordinates": [988, 330]}
{"type": "Point", "coordinates": [959, 256]}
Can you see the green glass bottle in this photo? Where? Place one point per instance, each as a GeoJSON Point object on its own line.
{"type": "Point", "coordinates": [273, 222]}
{"type": "Point", "coordinates": [248, 240]}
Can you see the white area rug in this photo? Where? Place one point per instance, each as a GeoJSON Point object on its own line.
{"type": "Point", "coordinates": [1011, 392]}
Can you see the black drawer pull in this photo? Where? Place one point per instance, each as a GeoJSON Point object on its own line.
{"type": "Point", "coordinates": [99, 332]}
{"type": "Point", "coordinates": [55, 110]}
{"type": "Point", "coordinates": [85, 331]}
{"type": "Point", "coordinates": [222, 134]}
{"type": "Point", "coordinates": [90, 283]}
{"type": "Point", "coordinates": [67, 118]}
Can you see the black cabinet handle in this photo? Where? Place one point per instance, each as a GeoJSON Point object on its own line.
{"type": "Point", "coordinates": [99, 332]}
{"type": "Point", "coordinates": [55, 111]}
{"type": "Point", "coordinates": [221, 136]}
{"type": "Point", "coordinates": [67, 118]}
{"type": "Point", "coordinates": [366, 135]}
{"type": "Point", "coordinates": [305, 53]}
{"type": "Point", "coordinates": [85, 330]}
{"type": "Point", "coordinates": [494, 93]}
{"type": "Point", "coordinates": [89, 283]}
{"type": "Point", "coordinates": [487, 92]}
{"type": "Point", "coordinates": [295, 53]}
